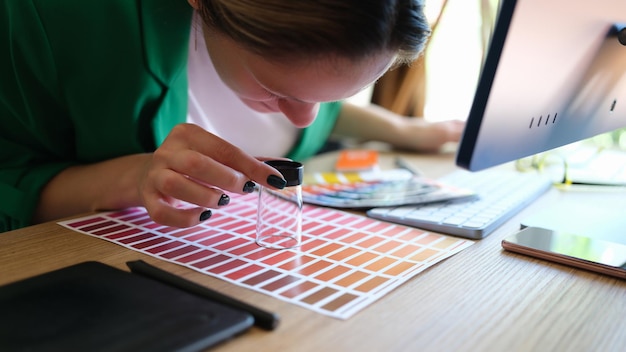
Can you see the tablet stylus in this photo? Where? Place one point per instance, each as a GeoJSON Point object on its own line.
{"type": "Point", "coordinates": [262, 319]}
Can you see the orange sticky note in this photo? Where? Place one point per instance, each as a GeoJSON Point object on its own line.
{"type": "Point", "coordinates": [357, 160]}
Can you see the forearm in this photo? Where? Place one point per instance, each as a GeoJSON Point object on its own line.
{"type": "Point", "coordinates": [111, 184]}
{"type": "Point", "coordinates": [371, 123]}
{"type": "Point", "coordinates": [374, 123]}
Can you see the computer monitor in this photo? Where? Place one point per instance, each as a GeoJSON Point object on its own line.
{"type": "Point", "coordinates": [554, 73]}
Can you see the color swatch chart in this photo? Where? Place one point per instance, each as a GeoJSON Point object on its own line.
{"type": "Point", "coordinates": [346, 261]}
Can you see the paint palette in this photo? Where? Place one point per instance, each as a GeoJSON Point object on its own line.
{"type": "Point", "coordinates": [387, 188]}
{"type": "Point", "coordinates": [346, 261]}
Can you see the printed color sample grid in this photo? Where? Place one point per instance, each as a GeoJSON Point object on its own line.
{"type": "Point", "coordinates": [345, 263]}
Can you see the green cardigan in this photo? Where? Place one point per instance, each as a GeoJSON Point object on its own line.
{"type": "Point", "coordinates": [85, 81]}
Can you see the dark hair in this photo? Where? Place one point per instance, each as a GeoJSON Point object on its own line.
{"type": "Point", "coordinates": [311, 28]}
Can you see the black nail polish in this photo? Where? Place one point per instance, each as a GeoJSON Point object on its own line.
{"type": "Point", "coordinates": [205, 215]}
{"type": "Point", "coordinates": [276, 181]}
{"type": "Point", "coordinates": [249, 187]}
{"type": "Point", "coordinates": [224, 199]}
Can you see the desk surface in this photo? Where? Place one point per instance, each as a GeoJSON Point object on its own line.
{"type": "Point", "coordinates": [482, 299]}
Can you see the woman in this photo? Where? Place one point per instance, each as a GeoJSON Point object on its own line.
{"type": "Point", "coordinates": [109, 104]}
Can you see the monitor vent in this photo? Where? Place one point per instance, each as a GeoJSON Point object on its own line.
{"type": "Point", "coordinates": [542, 120]}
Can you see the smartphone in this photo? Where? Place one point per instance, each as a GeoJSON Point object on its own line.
{"type": "Point", "coordinates": [570, 249]}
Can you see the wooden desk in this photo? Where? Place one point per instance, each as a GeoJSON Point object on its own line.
{"type": "Point", "coordinates": [482, 299]}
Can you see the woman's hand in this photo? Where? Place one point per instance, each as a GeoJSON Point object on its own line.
{"type": "Point", "coordinates": [419, 135]}
{"type": "Point", "coordinates": [192, 170]}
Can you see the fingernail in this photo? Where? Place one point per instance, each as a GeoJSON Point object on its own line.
{"type": "Point", "coordinates": [205, 215]}
{"type": "Point", "coordinates": [249, 187]}
{"type": "Point", "coordinates": [276, 181]}
{"type": "Point", "coordinates": [224, 199]}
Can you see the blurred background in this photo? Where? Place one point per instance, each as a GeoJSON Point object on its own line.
{"type": "Point", "coordinates": [441, 84]}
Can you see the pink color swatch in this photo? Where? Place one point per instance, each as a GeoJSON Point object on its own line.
{"type": "Point", "coordinates": [345, 263]}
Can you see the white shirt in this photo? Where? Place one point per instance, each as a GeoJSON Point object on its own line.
{"type": "Point", "coordinates": [213, 106]}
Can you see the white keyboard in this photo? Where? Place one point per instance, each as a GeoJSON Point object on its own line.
{"type": "Point", "coordinates": [500, 194]}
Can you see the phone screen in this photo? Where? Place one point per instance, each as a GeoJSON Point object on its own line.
{"type": "Point", "coordinates": [570, 249]}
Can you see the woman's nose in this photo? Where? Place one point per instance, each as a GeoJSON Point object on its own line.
{"type": "Point", "coordinates": [301, 114]}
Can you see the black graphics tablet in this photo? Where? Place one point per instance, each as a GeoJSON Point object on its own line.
{"type": "Point", "coordinates": [95, 307]}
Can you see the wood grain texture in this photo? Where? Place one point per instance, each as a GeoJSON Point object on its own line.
{"type": "Point", "coordinates": [482, 299]}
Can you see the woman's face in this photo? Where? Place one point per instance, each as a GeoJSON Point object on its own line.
{"type": "Point", "coordinates": [297, 89]}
